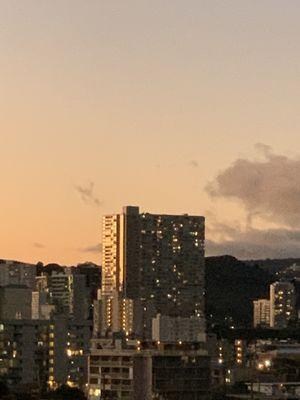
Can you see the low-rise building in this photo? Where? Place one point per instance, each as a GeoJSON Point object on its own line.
{"type": "Point", "coordinates": [174, 329]}
{"type": "Point", "coordinates": [134, 370]}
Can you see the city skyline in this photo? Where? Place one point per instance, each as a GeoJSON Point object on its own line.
{"type": "Point", "coordinates": [160, 105]}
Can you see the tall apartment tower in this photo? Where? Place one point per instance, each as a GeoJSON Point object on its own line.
{"type": "Point", "coordinates": [155, 260]}
{"type": "Point", "coordinates": [282, 304]}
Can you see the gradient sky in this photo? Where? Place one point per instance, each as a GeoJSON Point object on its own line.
{"type": "Point", "coordinates": [147, 100]}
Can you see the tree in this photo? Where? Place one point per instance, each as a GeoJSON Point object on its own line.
{"type": "Point", "coordinates": [66, 393]}
{"type": "Point", "coordinates": [4, 391]}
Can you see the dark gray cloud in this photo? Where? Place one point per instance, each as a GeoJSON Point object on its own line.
{"type": "Point", "coordinates": [268, 188]}
{"type": "Point", "coordinates": [38, 245]}
{"type": "Point", "coordinates": [255, 243]}
{"type": "Point", "coordinates": [96, 248]}
{"type": "Point", "coordinates": [87, 194]}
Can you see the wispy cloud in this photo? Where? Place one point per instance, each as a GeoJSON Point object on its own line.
{"type": "Point", "coordinates": [87, 194]}
{"type": "Point", "coordinates": [194, 163]}
{"type": "Point", "coordinates": [96, 248]}
{"type": "Point", "coordinates": [38, 245]}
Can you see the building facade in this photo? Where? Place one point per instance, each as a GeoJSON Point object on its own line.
{"type": "Point", "coordinates": [15, 302]}
{"type": "Point", "coordinates": [282, 304]}
{"type": "Point", "coordinates": [17, 273]}
{"type": "Point", "coordinates": [178, 329]}
{"type": "Point", "coordinates": [133, 370]}
{"type": "Point", "coordinates": [261, 313]}
{"type": "Point", "coordinates": [155, 260]}
{"type": "Point", "coordinates": [44, 353]}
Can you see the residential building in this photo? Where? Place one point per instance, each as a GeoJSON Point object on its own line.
{"type": "Point", "coordinates": [110, 368]}
{"type": "Point", "coordinates": [69, 343]}
{"type": "Point", "coordinates": [113, 314]}
{"type": "Point", "coordinates": [155, 260]}
{"type": "Point", "coordinates": [282, 303]}
{"type": "Point", "coordinates": [176, 329]}
{"type": "Point", "coordinates": [171, 371]}
{"type": "Point", "coordinates": [17, 273]}
{"type": "Point", "coordinates": [44, 352]}
{"type": "Point", "coordinates": [61, 290]}
{"type": "Point", "coordinates": [15, 302]}
{"type": "Point", "coordinates": [24, 352]}
{"type": "Point", "coordinates": [261, 313]}
{"type": "Point", "coordinates": [133, 370]}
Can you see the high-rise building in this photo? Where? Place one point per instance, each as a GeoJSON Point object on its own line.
{"type": "Point", "coordinates": [261, 313]}
{"type": "Point", "coordinates": [157, 261]}
{"type": "Point", "coordinates": [282, 303]}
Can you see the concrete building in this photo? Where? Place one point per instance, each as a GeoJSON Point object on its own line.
{"type": "Point", "coordinates": [93, 277]}
{"type": "Point", "coordinates": [155, 260]}
{"type": "Point", "coordinates": [17, 273]}
{"type": "Point", "coordinates": [24, 352]}
{"type": "Point", "coordinates": [261, 313]}
{"type": "Point", "coordinates": [171, 371]}
{"type": "Point", "coordinates": [69, 294]}
{"type": "Point", "coordinates": [44, 352]}
{"type": "Point", "coordinates": [113, 314]}
{"type": "Point", "coordinates": [41, 307]}
{"type": "Point", "coordinates": [175, 329]}
{"type": "Point", "coordinates": [15, 302]}
{"type": "Point", "coordinates": [282, 304]}
{"type": "Point", "coordinates": [61, 291]}
{"type": "Point", "coordinates": [131, 370]}
{"type": "Point", "coordinates": [69, 343]}
{"type": "Point", "coordinates": [110, 368]}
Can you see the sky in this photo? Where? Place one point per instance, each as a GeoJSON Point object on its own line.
{"type": "Point", "coordinates": [175, 106]}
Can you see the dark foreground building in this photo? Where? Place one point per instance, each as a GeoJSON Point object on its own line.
{"type": "Point", "coordinates": [130, 370]}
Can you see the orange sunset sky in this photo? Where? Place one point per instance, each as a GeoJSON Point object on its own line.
{"type": "Point", "coordinates": [169, 105]}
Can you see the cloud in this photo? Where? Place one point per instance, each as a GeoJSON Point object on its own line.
{"type": "Point", "coordinates": [256, 243]}
{"type": "Point", "coordinates": [194, 163]}
{"type": "Point", "coordinates": [38, 245]}
{"type": "Point", "coordinates": [268, 188]}
{"type": "Point", "coordinates": [96, 248]}
{"type": "Point", "coordinates": [87, 194]}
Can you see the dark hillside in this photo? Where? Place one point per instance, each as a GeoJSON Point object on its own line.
{"type": "Point", "coordinates": [231, 287]}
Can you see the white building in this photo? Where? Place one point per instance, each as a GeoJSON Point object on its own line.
{"type": "Point", "coordinates": [261, 313]}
